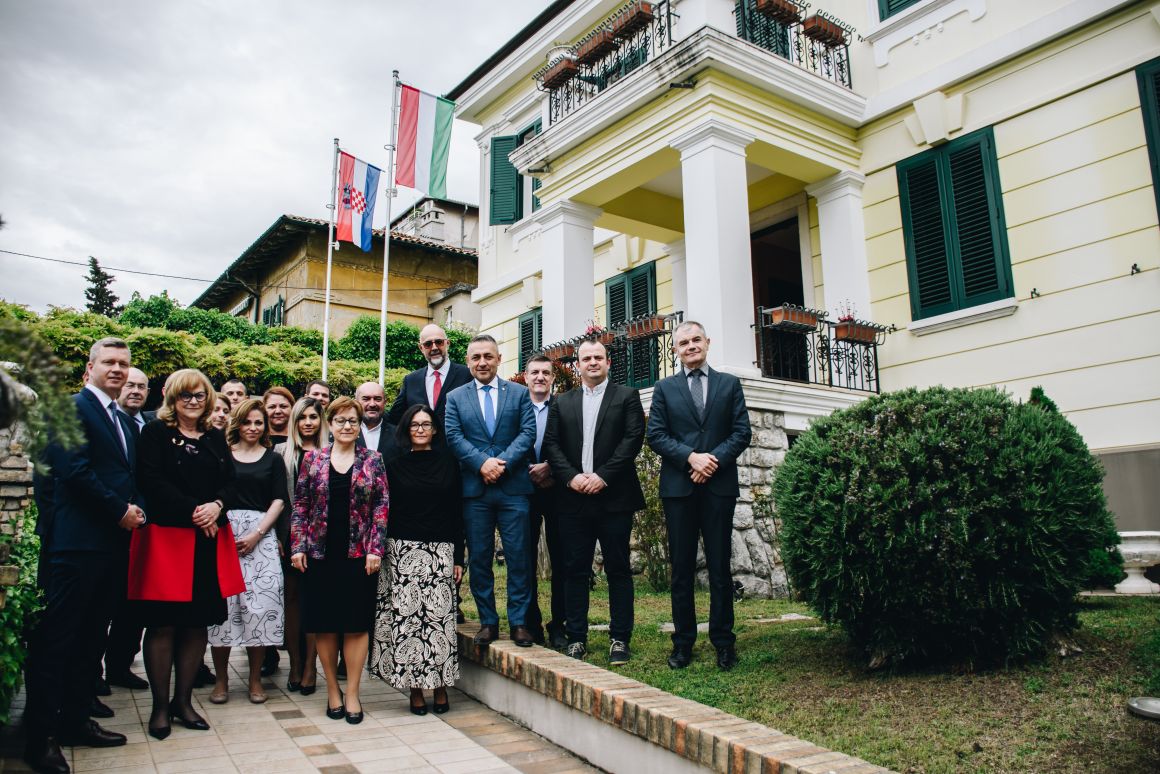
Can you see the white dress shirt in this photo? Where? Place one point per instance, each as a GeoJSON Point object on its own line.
{"type": "Point", "coordinates": [493, 394]}
{"type": "Point", "coordinates": [429, 380]}
{"type": "Point", "coordinates": [371, 435]}
{"type": "Point", "coordinates": [593, 397]}
{"type": "Point", "coordinates": [111, 412]}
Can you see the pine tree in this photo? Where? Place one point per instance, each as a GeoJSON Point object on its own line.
{"type": "Point", "coordinates": [99, 297]}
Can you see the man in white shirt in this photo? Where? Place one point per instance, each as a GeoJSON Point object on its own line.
{"type": "Point", "coordinates": [370, 396]}
{"type": "Point", "coordinates": [430, 384]}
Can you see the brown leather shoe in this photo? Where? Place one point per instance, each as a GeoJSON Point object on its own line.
{"type": "Point", "coordinates": [522, 637]}
{"type": "Point", "coordinates": [486, 635]}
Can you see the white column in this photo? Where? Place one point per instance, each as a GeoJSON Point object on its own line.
{"type": "Point", "coordinates": [718, 262]}
{"type": "Point", "coordinates": [680, 286]}
{"type": "Point", "coordinates": [842, 232]}
{"type": "Point", "coordinates": [566, 245]}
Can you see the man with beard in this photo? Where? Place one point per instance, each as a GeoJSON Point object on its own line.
{"type": "Point", "coordinates": [431, 384]}
{"type": "Point", "coordinates": [371, 435]}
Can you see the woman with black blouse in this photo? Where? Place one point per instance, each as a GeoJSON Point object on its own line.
{"type": "Point", "coordinates": [414, 637]}
{"type": "Point", "coordinates": [256, 615]}
{"type": "Point", "coordinates": [186, 474]}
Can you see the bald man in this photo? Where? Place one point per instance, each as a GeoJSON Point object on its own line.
{"type": "Point", "coordinates": [372, 435]}
{"type": "Point", "coordinates": [429, 385]}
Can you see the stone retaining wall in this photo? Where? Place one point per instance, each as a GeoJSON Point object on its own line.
{"type": "Point", "coordinates": [15, 493]}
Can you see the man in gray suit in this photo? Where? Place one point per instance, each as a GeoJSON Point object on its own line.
{"type": "Point", "coordinates": [699, 425]}
{"type": "Point", "coordinates": [491, 429]}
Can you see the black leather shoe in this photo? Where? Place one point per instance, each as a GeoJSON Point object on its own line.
{"type": "Point", "coordinates": [421, 710]}
{"type": "Point", "coordinates": [98, 709]}
{"type": "Point", "coordinates": [270, 662]}
{"type": "Point", "coordinates": [45, 756]}
{"type": "Point", "coordinates": [727, 657]}
{"type": "Point", "coordinates": [128, 680]}
{"type": "Point", "coordinates": [680, 658]}
{"type": "Point", "coordinates": [442, 708]}
{"type": "Point", "coordinates": [91, 735]}
{"type": "Point", "coordinates": [160, 733]}
{"type": "Point", "coordinates": [486, 635]}
{"type": "Point", "coordinates": [196, 723]}
{"type": "Point", "coordinates": [293, 687]}
{"type": "Point", "coordinates": [522, 637]}
{"type": "Point", "coordinates": [354, 718]}
{"type": "Point", "coordinates": [307, 690]}
{"type": "Point", "coordinates": [103, 688]}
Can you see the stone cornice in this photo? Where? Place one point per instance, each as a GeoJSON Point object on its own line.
{"type": "Point", "coordinates": [840, 184]}
{"type": "Point", "coordinates": [712, 134]}
{"type": "Point", "coordinates": [568, 213]}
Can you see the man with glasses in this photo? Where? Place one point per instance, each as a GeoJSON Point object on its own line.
{"type": "Point", "coordinates": [430, 384]}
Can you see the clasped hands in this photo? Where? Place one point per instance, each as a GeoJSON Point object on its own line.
{"type": "Point", "coordinates": [587, 483]}
{"type": "Point", "coordinates": [205, 518]}
{"type": "Point", "coordinates": [703, 465]}
{"type": "Point", "coordinates": [541, 475]}
{"type": "Point", "coordinates": [492, 469]}
{"type": "Point", "coordinates": [373, 563]}
{"type": "Point", "coordinates": [134, 517]}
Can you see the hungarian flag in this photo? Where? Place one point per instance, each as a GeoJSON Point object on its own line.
{"type": "Point", "coordinates": [424, 142]}
{"type": "Point", "coordinates": [358, 183]}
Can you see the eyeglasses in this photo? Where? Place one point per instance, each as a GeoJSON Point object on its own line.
{"type": "Point", "coordinates": [432, 343]}
{"type": "Point", "coordinates": [425, 426]}
{"type": "Point", "coordinates": [344, 421]}
{"type": "Point", "coordinates": [192, 397]}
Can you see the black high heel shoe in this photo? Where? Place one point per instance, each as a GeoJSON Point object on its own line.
{"type": "Point", "coordinates": [197, 724]}
{"type": "Point", "coordinates": [293, 687]}
{"type": "Point", "coordinates": [160, 733]}
{"type": "Point", "coordinates": [339, 712]}
{"type": "Point", "coordinates": [354, 718]}
{"type": "Point", "coordinates": [419, 710]}
{"type": "Point", "coordinates": [441, 707]}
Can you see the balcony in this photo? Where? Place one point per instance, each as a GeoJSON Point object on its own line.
{"type": "Point", "coordinates": [640, 350]}
{"type": "Point", "coordinates": [799, 344]}
{"type": "Point", "coordinates": [819, 43]}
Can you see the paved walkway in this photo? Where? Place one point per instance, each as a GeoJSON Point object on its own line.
{"type": "Point", "coordinates": [291, 732]}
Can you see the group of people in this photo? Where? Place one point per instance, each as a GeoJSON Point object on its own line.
{"type": "Point", "coordinates": [341, 528]}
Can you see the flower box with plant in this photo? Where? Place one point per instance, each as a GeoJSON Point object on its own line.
{"type": "Point", "coordinates": [785, 12]}
{"type": "Point", "coordinates": [791, 317]}
{"type": "Point", "coordinates": [632, 19]}
{"type": "Point", "coordinates": [645, 327]}
{"type": "Point", "coordinates": [852, 330]}
{"type": "Point", "coordinates": [560, 72]}
{"type": "Point", "coordinates": [563, 351]}
{"type": "Point", "coordinates": [824, 31]}
{"type": "Point", "coordinates": [602, 334]}
{"type": "Point", "coordinates": [597, 45]}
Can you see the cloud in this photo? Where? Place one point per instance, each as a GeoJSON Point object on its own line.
{"type": "Point", "coordinates": [166, 137]}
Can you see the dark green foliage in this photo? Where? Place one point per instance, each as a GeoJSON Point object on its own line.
{"type": "Point", "coordinates": [37, 367]}
{"type": "Point", "coordinates": [1039, 398]}
{"type": "Point", "coordinates": [19, 611]}
{"type": "Point", "coordinates": [99, 297]}
{"type": "Point", "coordinates": [651, 536]}
{"type": "Point", "coordinates": [946, 525]}
{"type": "Point", "coordinates": [361, 342]}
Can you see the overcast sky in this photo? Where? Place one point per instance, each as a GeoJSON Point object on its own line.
{"type": "Point", "coordinates": [167, 136]}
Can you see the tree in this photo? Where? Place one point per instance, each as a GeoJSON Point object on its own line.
{"type": "Point", "coordinates": [99, 298]}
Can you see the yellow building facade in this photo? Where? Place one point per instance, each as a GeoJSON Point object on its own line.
{"type": "Point", "coordinates": [975, 178]}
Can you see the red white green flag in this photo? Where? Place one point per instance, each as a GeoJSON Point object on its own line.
{"type": "Point", "coordinates": [424, 141]}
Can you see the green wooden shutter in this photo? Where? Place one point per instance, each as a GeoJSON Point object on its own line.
{"type": "Point", "coordinates": [1148, 78]}
{"type": "Point", "coordinates": [887, 8]}
{"type": "Point", "coordinates": [975, 224]}
{"type": "Point", "coordinates": [505, 182]}
{"type": "Point", "coordinates": [530, 324]}
{"type": "Point", "coordinates": [926, 239]}
{"type": "Point", "coordinates": [760, 30]}
{"type": "Point", "coordinates": [616, 293]}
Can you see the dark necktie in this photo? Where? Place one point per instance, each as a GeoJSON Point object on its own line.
{"type": "Point", "coordinates": [696, 393]}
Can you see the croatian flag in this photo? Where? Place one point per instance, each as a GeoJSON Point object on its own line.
{"type": "Point", "coordinates": [424, 141]}
{"type": "Point", "coordinates": [358, 183]}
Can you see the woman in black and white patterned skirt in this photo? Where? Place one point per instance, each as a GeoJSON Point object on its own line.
{"type": "Point", "coordinates": [414, 639]}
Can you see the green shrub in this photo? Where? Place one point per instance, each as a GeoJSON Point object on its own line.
{"type": "Point", "coordinates": [942, 524]}
{"type": "Point", "coordinates": [19, 612]}
{"type": "Point", "coordinates": [650, 532]}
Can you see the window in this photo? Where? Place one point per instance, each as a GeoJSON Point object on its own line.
{"type": "Point", "coordinates": [630, 295]}
{"type": "Point", "coordinates": [512, 194]}
{"type": "Point", "coordinates": [952, 223]}
{"type": "Point", "coordinates": [272, 315]}
{"type": "Point", "coordinates": [1148, 77]}
{"type": "Point", "coordinates": [887, 8]}
{"type": "Point", "coordinates": [531, 335]}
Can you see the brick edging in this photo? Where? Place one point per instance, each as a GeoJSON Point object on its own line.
{"type": "Point", "coordinates": [717, 740]}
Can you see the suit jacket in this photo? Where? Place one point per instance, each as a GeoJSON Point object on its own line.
{"type": "Point", "coordinates": [619, 436]}
{"type": "Point", "coordinates": [368, 505]}
{"type": "Point", "coordinates": [675, 432]}
{"type": "Point", "coordinates": [414, 390]}
{"type": "Point", "coordinates": [513, 441]}
{"type": "Point", "coordinates": [386, 440]}
{"type": "Point", "coordinates": [93, 484]}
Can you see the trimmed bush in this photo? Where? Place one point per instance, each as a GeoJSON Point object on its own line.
{"type": "Point", "coordinates": [19, 613]}
{"type": "Point", "coordinates": [942, 524]}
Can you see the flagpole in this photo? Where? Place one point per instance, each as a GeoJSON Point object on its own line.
{"type": "Point", "coordinates": [333, 206]}
{"type": "Point", "coordinates": [387, 231]}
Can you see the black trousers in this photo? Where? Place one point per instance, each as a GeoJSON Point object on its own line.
{"type": "Point", "coordinates": [543, 517]}
{"type": "Point", "coordinates": [65, 652]}
{"type": "Point", "coordinates": [124, 638]}
{"type": "Point", "coordinates": [709, 516]}
{"type": "Point", "coordinates": [579, 533]}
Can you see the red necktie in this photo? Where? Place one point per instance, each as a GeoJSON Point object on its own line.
{"type": "Point", "coordinates": [436, 388]}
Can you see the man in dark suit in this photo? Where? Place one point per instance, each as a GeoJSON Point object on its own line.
{"type": "Point", "coordinates": [431, 384]}
{"type": "Point", "coordinates": [594, 434]}
{"type": "Point", "coordinates": [374, 433]}
{"type": "Point", "coordinates": [539, 377]}
{"type": "Point", "coordinates": [699, 425]}
{"type": "Point", "coordinates": [491, 429]}
{"type": "Point", "coordinates": [93, 513]}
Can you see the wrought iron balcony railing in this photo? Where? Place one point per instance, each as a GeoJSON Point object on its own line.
{"type": "Point", "coordinates": [627, 39]}
{"type": "Point", "coordinates": [640, 350]}
{"type": "Point", "coordinates": [799, 344]}
{"type": "Point", "coordinates": [819, 43]}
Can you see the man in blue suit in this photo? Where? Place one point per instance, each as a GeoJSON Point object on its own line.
{"type": "Point", "coordinates": [94, 511]}
{"type": "Point", "coordinates": [699, 425]}
{"type": "Point", "coordinates": [491, 430]}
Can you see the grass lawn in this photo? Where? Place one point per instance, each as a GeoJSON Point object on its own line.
{"type": "Point", "coordinates": [1059, 715]}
